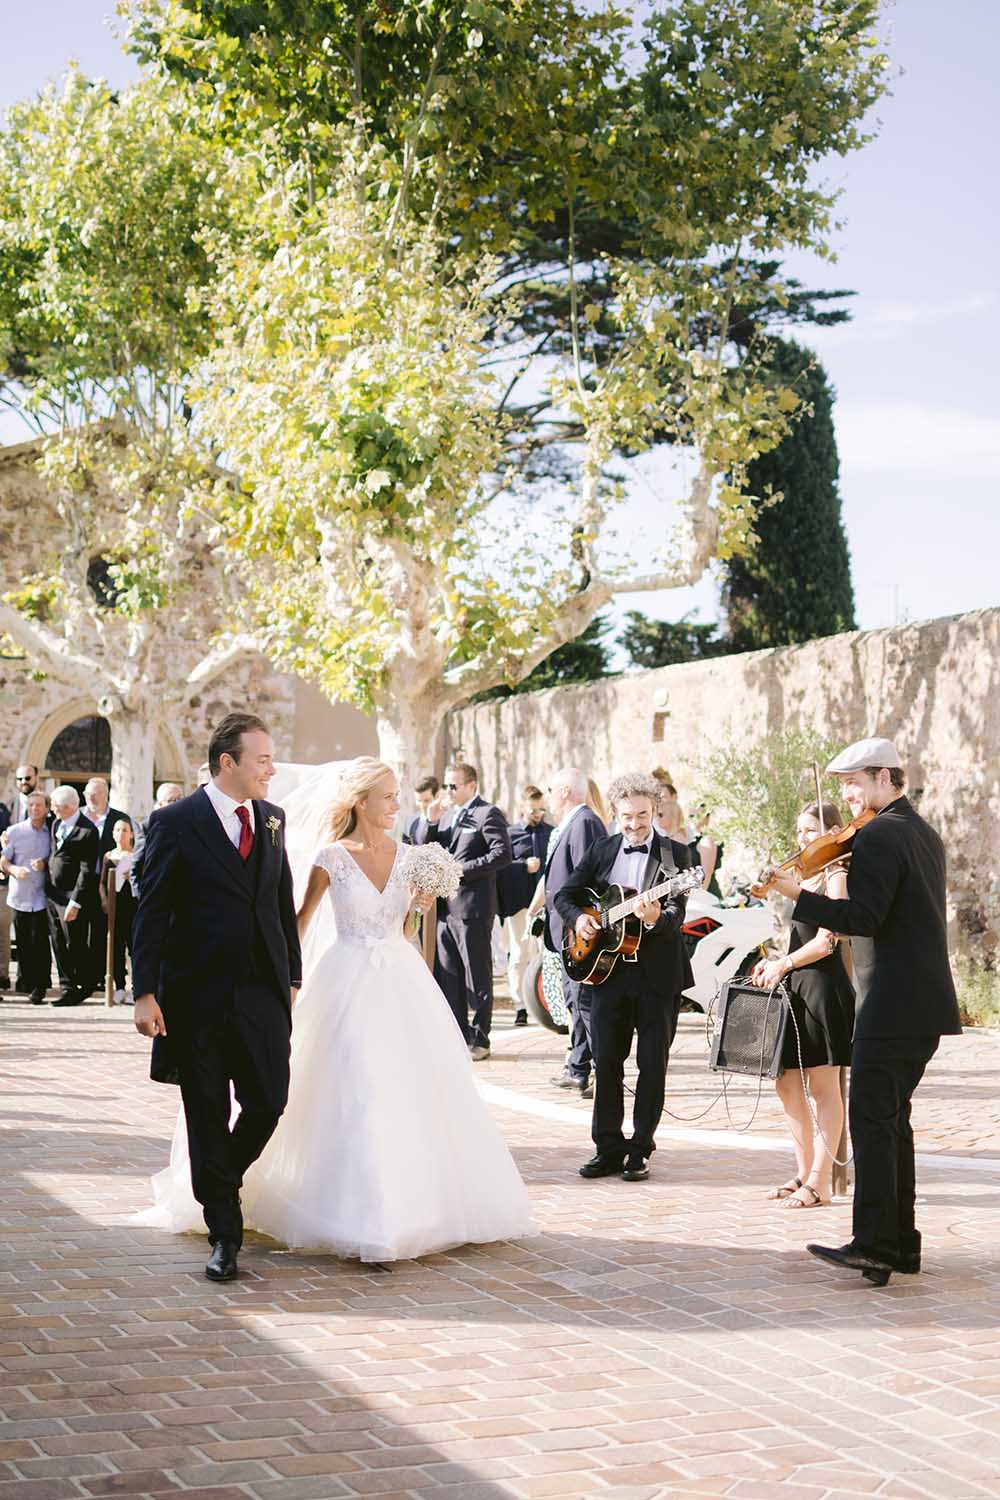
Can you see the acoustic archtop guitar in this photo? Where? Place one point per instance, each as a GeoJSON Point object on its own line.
{"type": "Point", "coordinates": [591, 960]}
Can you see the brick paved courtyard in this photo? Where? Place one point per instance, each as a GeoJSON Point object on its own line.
{"type": "Point", "coordinates": [664, 1339]}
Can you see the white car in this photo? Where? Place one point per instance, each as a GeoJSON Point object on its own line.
{"type": "Point", "coordinates": [722, 940]}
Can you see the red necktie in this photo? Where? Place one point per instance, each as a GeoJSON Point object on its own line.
{"type": "Point", "coordinates": [246, 832]}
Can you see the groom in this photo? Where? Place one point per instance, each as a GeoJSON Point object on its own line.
{"type": "Point", "coordinates": [216, 963]}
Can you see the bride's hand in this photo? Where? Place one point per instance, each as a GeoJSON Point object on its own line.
{"type": "Point", "coordinates": [422, 903]}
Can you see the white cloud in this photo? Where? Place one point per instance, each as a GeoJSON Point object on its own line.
{"type": "Point", "coordinates": [910, 438]}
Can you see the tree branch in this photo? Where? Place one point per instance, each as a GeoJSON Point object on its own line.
{"type": "Point", "coordinates": [225, 655]}
{"type": "Point", "coordinates": [53, 654]}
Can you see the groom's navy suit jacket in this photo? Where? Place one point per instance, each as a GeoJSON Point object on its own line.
{"type": "Point", "coordinates": [208, 921]}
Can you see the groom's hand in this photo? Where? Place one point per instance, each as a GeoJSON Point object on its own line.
{"type": "Point", "coordinates": [148, 1017]}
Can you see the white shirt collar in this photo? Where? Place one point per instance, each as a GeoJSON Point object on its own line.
{"type": "Point", "coordinates": [68, 823]}
{"type": "Point", "coordinates": [225, 805]}
{"type": "Point", "coordinates": [571, 814]}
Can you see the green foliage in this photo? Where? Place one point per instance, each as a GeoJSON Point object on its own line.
{"type": "Point", "coordinates": [978, 992]}
{"type": "Point", "coordinates": [755, 795]}
{"type": "Point", "coordinates": [586, 659]}
{"type": "Point", "coordinates": [796, 582]}
{"type": "Point", "coordinates": [664, 643]}
{"type": "Point", "coordinates": [36, 597]}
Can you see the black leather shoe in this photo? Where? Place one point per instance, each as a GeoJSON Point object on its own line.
{"type": "Point", "coordinates": [635, 1169]}
{"type": "Point", "coordinates": [874, 1270]}
{"type": "Point", "coordinates": [587, 1091]}
{"type": "Point", "coordinates": [521, 1019]}
{"type": "Point", "coordinates": [567, 1081]}
{"type": "Point", "coordinates": [70, 997]}
{"type": "Point", "coordinates": [222, 1262]}
{"type": "Point", "coordinates": [37, 997]}
{"type": "Point", "coordinates": [907, 1265]}
{"type": "Point", "coordinates": [601, 1166]}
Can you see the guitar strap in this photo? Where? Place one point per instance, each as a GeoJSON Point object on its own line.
{"type": "Point", "coordinates": [659, 868]}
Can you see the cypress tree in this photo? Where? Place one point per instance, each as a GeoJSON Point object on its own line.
{"type": "Point", "coordinates": [797, 583]}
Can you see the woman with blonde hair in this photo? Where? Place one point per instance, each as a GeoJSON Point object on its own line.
{"type": "Point", "coordinates": [385, 1150]}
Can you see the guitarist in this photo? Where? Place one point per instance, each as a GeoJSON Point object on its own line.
{"type": "Point", "coordinates": [640, 998]}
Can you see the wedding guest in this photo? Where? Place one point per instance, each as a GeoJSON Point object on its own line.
{"type": "Point", "coordinates": [478, 836]}
{"type": "Point", "coordinates": [425, 792]}
{"type": "Point", "coordinates": [572, 795]}
{"type": "Point", "coordinates": [69, 890]}
{"type": "Point", "coordinates": [25, 782]}
{"type": "Point", "coordinates": [529, 840]}
{"type": "Point", "coordinates": [706, 852]}
{"type": "Point", "coordinates": [99, 811]}
{"type": "Point", "coordinates": [5, 909]}
{"type": "Point", "coordinates": [819, 1031]}
{"type": "Point", "coordinates": [117, 897]}
{"type": "Point", "coordinates": [24, 861]}
{"type": "Point", "coordinates": [640, 999]}
{"type": "Point", "coordinates": [669, 820]}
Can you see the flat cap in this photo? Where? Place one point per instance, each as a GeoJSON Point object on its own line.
{"type": "Point", "coordinates": [865, 753]}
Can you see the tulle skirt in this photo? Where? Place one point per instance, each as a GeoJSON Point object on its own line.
{"type": "Point", "coordinates": [386, 1150]}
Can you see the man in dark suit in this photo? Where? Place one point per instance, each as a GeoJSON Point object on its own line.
{"type": "Point", "coordinates": [641, 998]}
{"type": "Point", "coordinates": [516, 885]}
{"type": "Point", "coordinates": [577, 828]}
{"type": "Point", "coordinates": [70, 890]}
{"type": "Point", "coordinates": [425, 792]}
{"type": "Point", "coordinates": [895, 911]}
{"type": "Point", "coordinates": [215, 963]}
{"type": "Point", "coordinates": [98, 809]}
{"type": "Point", "coordinates": [476, 833]}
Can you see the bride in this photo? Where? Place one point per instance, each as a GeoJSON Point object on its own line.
{"type": "Point", "coordinates": [385, 1150]}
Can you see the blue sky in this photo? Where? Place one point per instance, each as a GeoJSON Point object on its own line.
{"type": "Point", "coordinates": [915, 372]}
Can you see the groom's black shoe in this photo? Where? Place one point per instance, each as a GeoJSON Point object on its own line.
{"type": "Point", "coordinates": [874, 1270]}
{"type": "Point", "coordinates": [222, 1261]}
{"type": "Point", "coordinates": [602, 1166]}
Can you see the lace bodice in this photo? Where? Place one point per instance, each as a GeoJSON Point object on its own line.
{"type": "Point", "coordinates": [360, 910]}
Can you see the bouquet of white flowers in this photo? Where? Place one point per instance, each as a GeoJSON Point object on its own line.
{"type": "Point", "coordinates": [430, 870]}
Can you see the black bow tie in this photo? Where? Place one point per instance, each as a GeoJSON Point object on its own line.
{"type": "Point", "coordinates": [636, 848]}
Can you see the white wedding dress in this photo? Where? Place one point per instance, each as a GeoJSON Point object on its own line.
{"type": "Point", "coordinates": [386, 1150]}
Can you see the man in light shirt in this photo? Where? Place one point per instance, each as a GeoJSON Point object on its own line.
{"type": "Point", "coordinates": [24, 860]}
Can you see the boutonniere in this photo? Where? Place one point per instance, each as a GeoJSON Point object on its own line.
{"type": "Point", "coordinates": [274, 824]}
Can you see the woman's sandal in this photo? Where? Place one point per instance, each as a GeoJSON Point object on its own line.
{"type": "Point", "coordinates": [796, 1200]}
{"type": "Point", "coordinates": [786, 1191]}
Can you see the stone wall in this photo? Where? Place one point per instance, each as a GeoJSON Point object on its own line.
{"type": "Point", "coordinates": [933, 687]}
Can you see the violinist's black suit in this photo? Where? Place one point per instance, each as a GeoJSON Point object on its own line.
{"type": "Point", "coordinates": [215, 940]}
{"type": "Point", "coordinates": [895, 911]}
{"type": "Point", "coordinates": [641, 998]}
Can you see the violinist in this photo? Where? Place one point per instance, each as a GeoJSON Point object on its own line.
{"type": "Point", "coordinates": [818, 1035]}
{"type": "Point", "coordinates": [895, 910]}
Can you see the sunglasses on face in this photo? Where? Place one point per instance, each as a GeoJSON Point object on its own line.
{"type": "Point", "coordinates": [451, 786]}
{"type": "Point", "coordinates": [22, 778]}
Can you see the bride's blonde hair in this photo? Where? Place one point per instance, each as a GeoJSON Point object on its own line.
{"type": "Point", "coordinates": [357, 779]}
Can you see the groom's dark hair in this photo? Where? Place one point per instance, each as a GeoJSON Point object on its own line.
{"type": "Point", "coordinates": [227, 738]}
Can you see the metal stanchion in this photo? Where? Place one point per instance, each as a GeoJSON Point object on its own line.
{"type": "Point", "coordinates": [109, 980]}
{"type": "Point", "coordinates": [840, 1178]}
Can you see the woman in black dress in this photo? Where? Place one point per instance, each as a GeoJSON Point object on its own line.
{"type": "Point", "coordinates": [819, 1031]}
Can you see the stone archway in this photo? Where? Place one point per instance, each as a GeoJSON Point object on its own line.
{"type": "Point", "coordinates": [75, 728]}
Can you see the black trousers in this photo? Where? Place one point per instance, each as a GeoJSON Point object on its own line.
{"type": "Point", "coordinates": [34, 956]}
{"type": "Point", "coordinates": [616, 1016]}
{"type": "Point", "coordinates": [70, 946]}
{"type": "Point", "coordinates": [580, 1054]}
{"type": "Point", "coordinates": [463, 968]}
{"type": "Point", "coordinates": [97, 938]}
{"type": "Point", "coordinates": [884, 1075]}
{"type": "Point", "coordinates": [125, 904]}
{"type": "Point", "coordinates": [244, 1043]}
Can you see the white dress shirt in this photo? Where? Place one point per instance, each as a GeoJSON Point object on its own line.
{"type": "Point", "coordinates": [60, 828]}
{"type": "Point", "coordinates": [226, 807]}
{"type": "Point", "coordinates": [629, 869]}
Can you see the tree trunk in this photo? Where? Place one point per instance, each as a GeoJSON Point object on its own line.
{"type": "Point", "coordinates": [409, 734]}
{"type": "Point", "coordinates": [133, 742]}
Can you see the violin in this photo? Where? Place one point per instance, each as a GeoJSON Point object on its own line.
{"type": "Point", "coordinates": [824, 850]}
